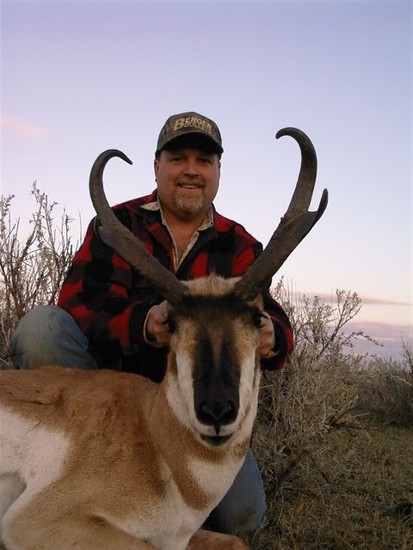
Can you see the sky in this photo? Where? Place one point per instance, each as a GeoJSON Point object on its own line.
{"type": "Point", "coordinates": [80, 77]}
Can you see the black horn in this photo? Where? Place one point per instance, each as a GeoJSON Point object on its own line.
{"type": "Point", "coordinates": [294, 225]}
{"type": "Point", "coordinates": [118, 237]}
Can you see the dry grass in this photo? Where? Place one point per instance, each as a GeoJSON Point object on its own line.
{"type": "Point", "coordinates": [358, 495]}
{"type": "Point", "coordinates": [386, 392]}
{"type": "Point", "coordinates": [335, 444]}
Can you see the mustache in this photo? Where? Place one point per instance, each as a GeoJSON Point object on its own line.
{"type": "Point", "coordinates": [195, 182]}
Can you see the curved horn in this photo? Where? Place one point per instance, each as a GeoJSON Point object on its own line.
{"type": "Point", "coordinates": [118, 237]}
{"type": "Point", "coordinates": [294, 225]}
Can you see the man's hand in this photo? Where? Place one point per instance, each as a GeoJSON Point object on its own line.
{"type": "Point", "coordinates": [267, 337]}
{"type": "Point", "coordinates": [157, 328]}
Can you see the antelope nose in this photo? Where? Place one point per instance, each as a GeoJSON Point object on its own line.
{"type": "Point", "coordinates": [217, 413]}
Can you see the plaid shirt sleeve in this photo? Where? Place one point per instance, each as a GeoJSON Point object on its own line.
{"type": "Point", "coordinates": [105, 296]}
{"type": "Point", "coordinates": [110, 301]}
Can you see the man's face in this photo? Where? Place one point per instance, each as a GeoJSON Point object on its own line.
{"type": "Point", "coordinates": [188, 181]}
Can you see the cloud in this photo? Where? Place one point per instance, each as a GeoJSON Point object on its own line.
{"type": "Point", "coordinates": [22, 128]}
{"type": "Point", "coordinates": [384, 330]}
{"type": "Point", "coordinates": [365, 300]}
{"type": "Point", "coordinates": [380, 302]}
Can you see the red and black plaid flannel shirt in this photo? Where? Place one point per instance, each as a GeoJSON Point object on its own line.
{"type": "Point", "coordinates": [110, 300]}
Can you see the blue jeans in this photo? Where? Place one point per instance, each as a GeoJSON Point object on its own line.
{"type": "Point", "coordinates": [48, 335]}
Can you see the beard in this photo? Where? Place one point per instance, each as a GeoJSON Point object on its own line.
{"type": "Point", "coordinates": [188, 204]}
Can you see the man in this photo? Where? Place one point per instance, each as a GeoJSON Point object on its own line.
{"type": "Point", "coordinates": [109, 317]}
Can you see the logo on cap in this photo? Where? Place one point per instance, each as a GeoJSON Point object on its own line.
{"type": "Point", "coordinates": [193, 122]}
{"type": "Point", "coordinates": [186, 124]}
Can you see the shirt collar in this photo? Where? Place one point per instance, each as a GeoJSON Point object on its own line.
{"type": "Point", "coordinates": [155, 206]}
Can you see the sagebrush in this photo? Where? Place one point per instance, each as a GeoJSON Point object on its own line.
{"type": "Point", "coordinates": [326, 389]}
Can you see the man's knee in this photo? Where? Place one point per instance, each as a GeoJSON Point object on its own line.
{"type": "Point", "coordinates": [243, 508]}
{"type": "Point", "coordinates": [48, 335]}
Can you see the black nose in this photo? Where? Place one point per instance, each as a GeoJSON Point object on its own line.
{"type": "Point", "coordinates": [217, 413]}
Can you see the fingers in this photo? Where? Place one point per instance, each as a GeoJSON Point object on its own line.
{"type": "Point", "coordinates": [161, 312]}
{"type": "Point", "coordinates": [267, 336]}
{"type": "Point", "coordinates": [157, 328]}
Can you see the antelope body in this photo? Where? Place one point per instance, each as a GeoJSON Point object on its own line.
{"type": "Point", "coordinates": [102, 459]}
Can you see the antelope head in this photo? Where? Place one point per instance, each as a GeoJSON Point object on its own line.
{"type": "Point", "coordinates": [213, 366]}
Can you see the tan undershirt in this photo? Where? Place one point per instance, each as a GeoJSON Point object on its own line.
{"type": "Point", "coordinates": [182, 244]}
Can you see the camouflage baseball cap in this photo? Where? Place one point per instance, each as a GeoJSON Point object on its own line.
{"type": "Point", "coordinates": [185, 124]}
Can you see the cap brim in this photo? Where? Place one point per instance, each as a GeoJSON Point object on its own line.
{"type": "Point", "coordinates": [197, 140]}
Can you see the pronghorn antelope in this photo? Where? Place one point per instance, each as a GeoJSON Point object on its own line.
{"type": "Point", "coordinates": [103, 459]}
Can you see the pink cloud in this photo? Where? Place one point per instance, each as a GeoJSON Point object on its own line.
{"type": "Point", "coordinates": [379, 301]}
{"type": "Point", "coordinates": [365, 300]}
{"type": "Point", "coordinates": [22, 128]}
{"type": "Point", "coordinates": [384, 330]}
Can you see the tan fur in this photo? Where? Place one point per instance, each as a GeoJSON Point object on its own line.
{"type": "Point", "coordinates": [111, 460]}
{"type": "Point", "coordinates": [206, 540]}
